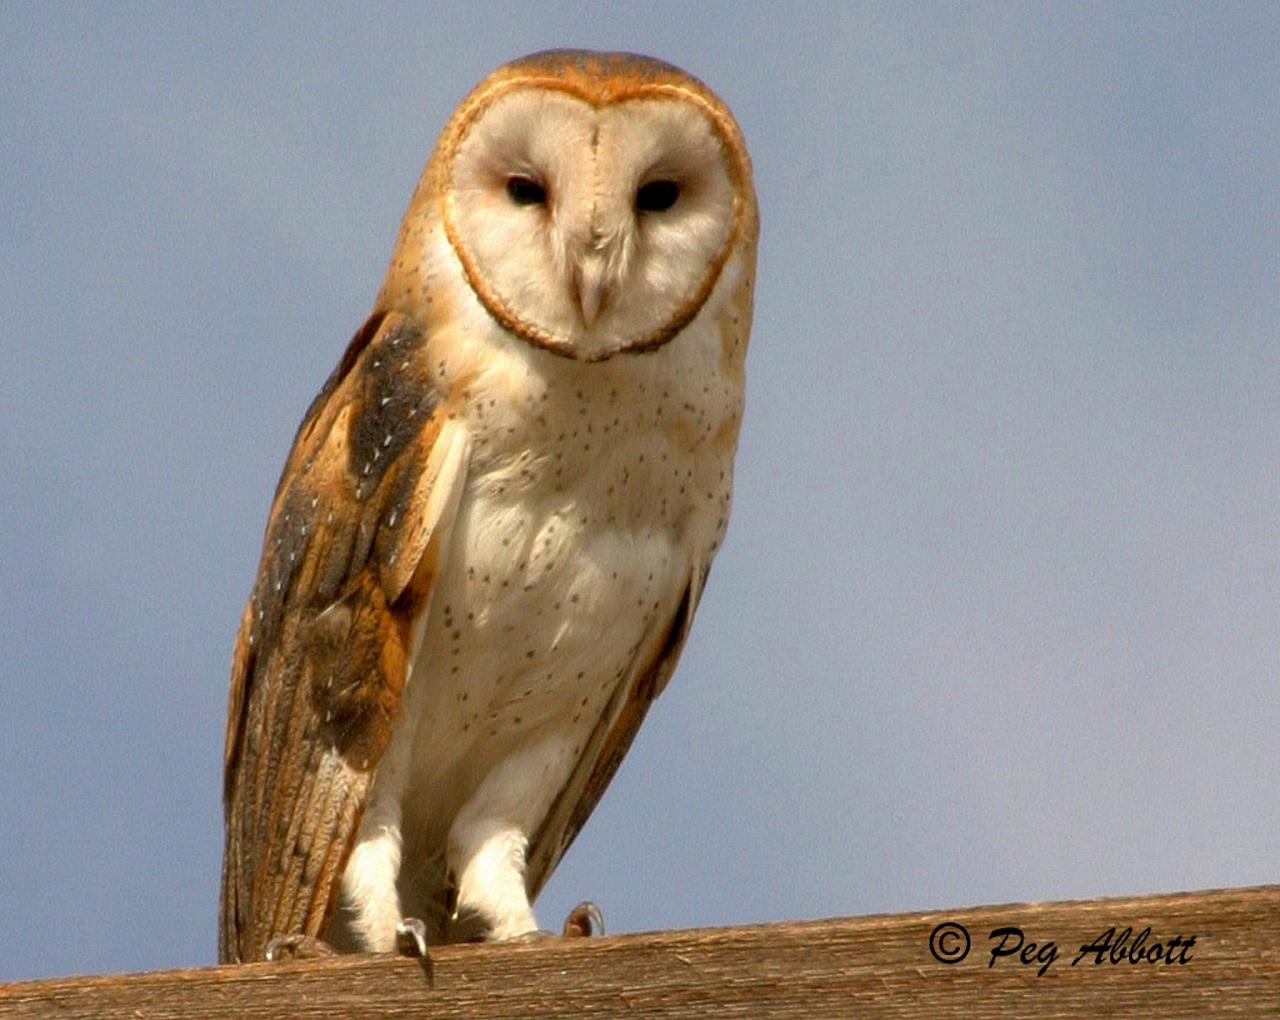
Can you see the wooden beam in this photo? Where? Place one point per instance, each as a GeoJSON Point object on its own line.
{"type": "Point", "coordinates": [1218, 955]}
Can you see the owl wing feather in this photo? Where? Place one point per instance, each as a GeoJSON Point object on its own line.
{"type": "Point", "coordinates": [609, 743]}
{"type": "Point", "coordinates": [359, 518]}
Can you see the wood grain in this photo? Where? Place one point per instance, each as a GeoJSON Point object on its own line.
{"type": "Point", "coordinates": [877, 966]}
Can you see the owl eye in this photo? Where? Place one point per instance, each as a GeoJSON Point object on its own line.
{"type": "Point", "coordinates": [525, 191]}
{"type": "Point", "coordinates": [657, 196]}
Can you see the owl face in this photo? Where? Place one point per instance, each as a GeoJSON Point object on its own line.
{"type": "Point", "coordinates": [593, 201]}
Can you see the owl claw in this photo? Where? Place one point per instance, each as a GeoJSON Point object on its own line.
{"type": "Point", "coordinates": [298, 947]}
{"type": "Point", "coordinates": [583, 921]}
{"type": "Point", "coordinates": [411, 938]}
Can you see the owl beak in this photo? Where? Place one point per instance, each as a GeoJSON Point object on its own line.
{"type": "Point", "coordinates": [590, 282]}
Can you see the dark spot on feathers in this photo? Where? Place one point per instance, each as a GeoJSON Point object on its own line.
{"type": "Point", "coordinates": [351, 696]}
{"type": "Point", "coordinates": [337, 563]}
{"type": "Point", "coordinates": [287, 540]}
{"type": "Point", "coordinates": [363, 543]}
{"type": "Point", "coordinates": [394, 509]}
{"type": "Point", "coordinates": [381, 425]}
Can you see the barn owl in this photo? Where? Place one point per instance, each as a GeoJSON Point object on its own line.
{"type": "Point", "coordinates": [494, 526]}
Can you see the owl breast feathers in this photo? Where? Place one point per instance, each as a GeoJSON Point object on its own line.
{"type": "Point", "coordinates": [495, 524]}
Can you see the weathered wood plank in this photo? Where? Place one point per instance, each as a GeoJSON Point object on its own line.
{"type": "Point", "coordinates": [878, 966]}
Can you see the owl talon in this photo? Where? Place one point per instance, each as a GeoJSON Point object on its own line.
{"type": "Point", "coordinates": [583, 921]}
{"type": "Point", "coordinates": [411, 938]}
{"type": "Point", "coordinates": [298, 947]}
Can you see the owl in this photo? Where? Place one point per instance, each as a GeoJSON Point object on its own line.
{"type": "Point", "coordinates": [496, 520]}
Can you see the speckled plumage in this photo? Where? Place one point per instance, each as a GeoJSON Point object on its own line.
{"type": "Point", "coordinates": [493, 530]}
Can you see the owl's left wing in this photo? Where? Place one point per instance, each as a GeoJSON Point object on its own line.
{"type": "Point", "coordinates": [610, 741]}
{"type": "Point", "coordinates": [357, 527]}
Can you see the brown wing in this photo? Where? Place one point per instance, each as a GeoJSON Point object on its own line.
{"type": "Point", "coordinates": [366, 496]}
{"type": "Point", "coordinates": [608, 743]}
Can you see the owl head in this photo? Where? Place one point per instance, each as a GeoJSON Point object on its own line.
{"type": "Point", "coordinates": [591, 199]}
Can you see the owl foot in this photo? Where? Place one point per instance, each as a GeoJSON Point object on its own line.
{"type": "Point", "coordinates": [411, 938]}
{"type": "Point", "coordinates": [298, 947]}
{"type": "Point", "coordinates": [583, 921]}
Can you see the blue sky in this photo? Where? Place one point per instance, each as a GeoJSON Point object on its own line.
{"type": "Point", "coordinates": [997, 615]}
